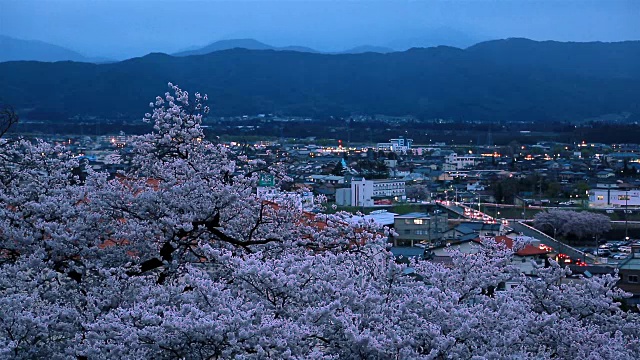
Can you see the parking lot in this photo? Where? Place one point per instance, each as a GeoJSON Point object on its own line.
{"type": "Point", "coordinates": [613, 251]}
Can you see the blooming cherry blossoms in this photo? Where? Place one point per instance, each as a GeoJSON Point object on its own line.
{"type": "Point", "coordinates": [176, 257]}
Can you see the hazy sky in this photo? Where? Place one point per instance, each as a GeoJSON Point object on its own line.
{"type": "Point", "coordinates": [125, 28]}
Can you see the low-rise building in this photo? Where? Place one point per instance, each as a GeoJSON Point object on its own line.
{"type": "Point", "coordinates": [417, 227]}
{"type": "Point", "coordinates": [629, 272]}
{"type": "Point", "coordinates": [610, 197]}
{"type": "Point", "coordinates": [458, 162]}
{"type": "Point", "coordinates": [372, 192]}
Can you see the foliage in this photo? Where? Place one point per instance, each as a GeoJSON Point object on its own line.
{"type": "Point", "coordinates": [418, 192]}
{"type": "Point", "coordinates": [338, 170]}
{"type": "Point", "coordinates": [371, 169]}
{"type": "Point", "coordinates": [580, 224]}
{"type": "Point", "coordinates": [177, 258]}
{"type": "Point", "coordinates": [8, 119]}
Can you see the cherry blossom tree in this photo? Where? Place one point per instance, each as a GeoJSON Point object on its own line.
{"type": "Point", "coordinates": [578, 223]}
{"type": "Point", "coordinates": [418, 192]}
{"type": "Point", "coordinates": [176, 257]}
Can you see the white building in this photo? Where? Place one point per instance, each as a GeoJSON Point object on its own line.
{"type": "Point", "coordinates": [458, 162]}
{"type": "Point", "coordinates": [379, 217]}
{"type": "Point", "coordinates": [361, 192]}
{"type": "Point", "coordinates": [396, 145]}
{"type": "Point", "coordinates": [302, 200]}
{"type": "Point", "coordinates": [609, 197]}
{"type": "Point", "coordinates": [366, 192]}
{"type": "Point", "coordinates": [343, 197]}
{"type": "Point", "coordinates": [389, 188]}
{"type": "Point", "coordinates": [325, 179]}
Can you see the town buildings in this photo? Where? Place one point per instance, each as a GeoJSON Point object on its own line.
{"type": "Point", "coordinates": [401, 145]}
{"type": "Point", "coordinates": [417, 227]}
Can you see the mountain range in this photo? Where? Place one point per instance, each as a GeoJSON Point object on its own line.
{"type": "Point", "coordinates": [12, 49]}
{"type": "Point", "coordinates": [503, 80]}
{"type": "Point", "coordinates": [252, 44]}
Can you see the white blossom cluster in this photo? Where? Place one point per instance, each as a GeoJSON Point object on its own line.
{"type": "Point", "coordinates": [177, 258]}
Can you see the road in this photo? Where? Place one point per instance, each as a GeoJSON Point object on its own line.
{"type": "Point", "coordinates": [549, 241]}
{"type": "Point", "coordinates": [529, 231]}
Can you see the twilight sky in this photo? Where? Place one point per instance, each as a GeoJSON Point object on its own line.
{"type": "Point", "coordinates": [126, 28]}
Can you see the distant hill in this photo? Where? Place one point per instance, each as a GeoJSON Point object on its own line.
{"type": "Point", "coordinates": [591, 59]}
{"type": "Point", "coordinates": [434, 37]}
{"type": "Point", "coordinates": [249, 44]}
{"type": "Point", "coordinates": [12, 49]}
{"type": "Point", "coordinates": [492, 81]}
{"type": "Point", "coordinates": [367, 48]}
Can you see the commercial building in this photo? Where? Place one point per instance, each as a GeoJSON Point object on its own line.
{"type": "Point", "coordinates": [459, 162]}
{"type": "Point", "coordinates": [610, 197]}
{"type": "Point", "coordinates": [396, 145]}
{"type": "Point", "coordinates": [376, 192]}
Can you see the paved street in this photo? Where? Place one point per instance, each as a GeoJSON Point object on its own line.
{"type": "Point", "coordinates": [549, 241]}
{"type": "Point", "coordinates": [529, 231]}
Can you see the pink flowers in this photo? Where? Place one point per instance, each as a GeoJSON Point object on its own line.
{"type": "Point", "coordinates": [202, 268]}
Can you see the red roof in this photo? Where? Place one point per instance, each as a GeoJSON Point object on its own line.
{"type": "Point", "coordinates": [527, 250]}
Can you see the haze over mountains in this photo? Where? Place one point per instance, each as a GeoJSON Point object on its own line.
{"type": "Point", "coordinates": [12, 49]}
{"type": "Point", "coordinates": [503, 80]}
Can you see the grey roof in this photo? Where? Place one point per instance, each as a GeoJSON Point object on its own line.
{"type": "Point", "coordinates": [630, 263]}
{"type": "Point", "coordinates": [476, 226]}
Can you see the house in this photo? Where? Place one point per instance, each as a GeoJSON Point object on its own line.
{"type": "Point", "coordinates": [404, 254]}
{"type": "Point", "coordinates": [523, 258]}
{"type": "Point", "coordinates": [605, 174]}
{"type": "Point", "coordinates": [325, 179]}
{"type": "Point", "coordinates": [458, 162]}
{"type": "Point", "coordinates": [474, 229]}
{"type": "Point", "coordinates": [417, 227]}
{"type": "Point", "coordinates": [629, 272]}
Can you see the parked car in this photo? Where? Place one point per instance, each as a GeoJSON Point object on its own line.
{"type": "Point", "coordinates": [619, 256]}
{"type": "Point", "coordinates": [602, 252]}
{"type": "Point", "coordinates": [625, 249]}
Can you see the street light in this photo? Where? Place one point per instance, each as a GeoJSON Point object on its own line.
{"type": "Point", "coordinates": [555, 230]}
{"type": "Point", "coordinates": [559, 244]}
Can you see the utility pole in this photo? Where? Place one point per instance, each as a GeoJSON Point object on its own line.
{"type": "Point", "coordinates": [626, 206]}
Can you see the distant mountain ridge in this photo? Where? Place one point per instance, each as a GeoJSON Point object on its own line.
{"type": "Point", "coordinates": [606, 59]}
{"type": "Point", "coordinates": [12, 49]}
{"type": "Point", "coordinates": [367, 48]}
{"type": "Point", "coordinates": [252, 44]}
{"type": "Point", "coordinates": [505, 80]}
{"type": "Point", "coordinates": [249, 44]}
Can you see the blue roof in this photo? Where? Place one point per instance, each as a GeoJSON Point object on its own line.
{"type": "Point", "coordinates": [413, 215]}
{"type": "Point", "coordinates": [407, 252]}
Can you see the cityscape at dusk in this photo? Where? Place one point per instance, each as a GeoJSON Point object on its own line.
{"type": "Point", "coordinates": [319, 179]}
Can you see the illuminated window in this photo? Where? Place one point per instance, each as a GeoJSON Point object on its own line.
{"type": "Point", "coordinates": [418, 221]}
{"type": "Point", "coordinates": [623, 197]}
{"type": "Point", "coordinates": [600, 197]}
